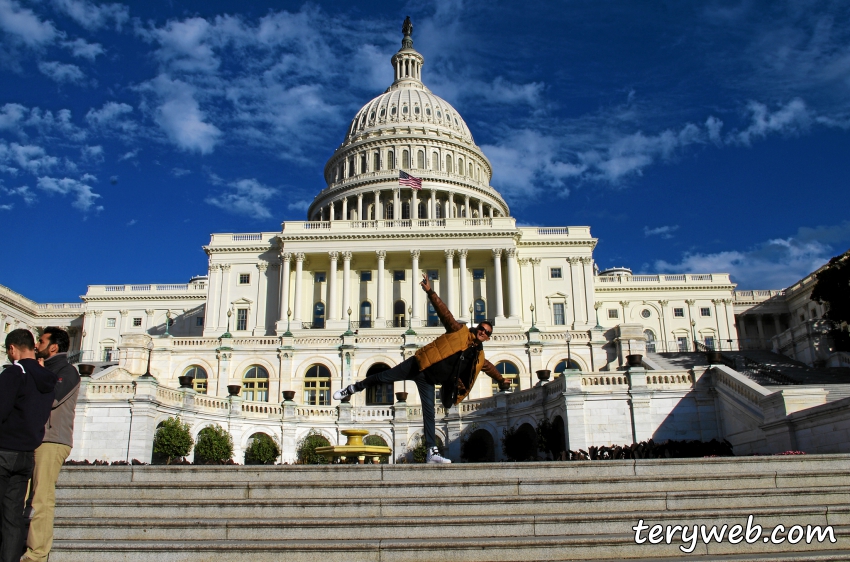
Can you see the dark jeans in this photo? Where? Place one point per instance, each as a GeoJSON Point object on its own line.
{"type": "Point", "coordinates": [15, 471]}
{"type": "Point", "coordinates": [408, 370]}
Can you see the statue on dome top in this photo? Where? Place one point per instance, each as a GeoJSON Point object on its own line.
{"type": "Point", "coordinates": [407, 29]}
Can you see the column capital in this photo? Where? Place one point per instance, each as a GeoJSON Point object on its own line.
{"type": "Point", "coordinates": [98, 313]}
{"type": "Point", "coordinates": [510, 252]}
{"type": "Point", "coordinates": [463, 253]}
{"type": "Point", "coordinates": [285, 256]}
{"type": "Point", "coordinates": [346, 256]}
{"type": "Point", "coordinates": [690, 302]}
{"type": "Point", "coordinates": [534, 261]}
{"type": "Point", "coordinates": [262, 266]}
{"type": "Point", "coordinates": [334, 255]}
{"type": "Point", "coordinates": [497, 253]}
{"type": "Point", "coordinates": [586, 260]}
{"type": "Point", "coordinates": [415, 254]}
{"type": "Point", "coordinates": [382, 254]}
{"type": "Point", "coordinates": [214, 267]}
{"type": "Point", "coordinates": [597, 305]}
{"type": "Point", "coordinates": [727, 301]}
{"type": "Point", "coordinates": [124, 313]}
{"type": "Point", "coordinates": [523, 261]}
{"type": "Point", "coordinates": [300, 256]}
{"type": "Point", "coordinates": [225, 267]}
{"type": "Point", "coordinates": [149, 312]}
{"type": "Point", "coordinates": [625, 303]}
{"type": "Point", "coordinates": [450, 253]}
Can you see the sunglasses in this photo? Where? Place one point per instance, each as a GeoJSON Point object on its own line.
{"type": "Point", "coordinates": [486, 332]}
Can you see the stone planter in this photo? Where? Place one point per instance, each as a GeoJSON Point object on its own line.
{"type": "Point", "coordinates": [543, 374]}
{"type": "Point", "coordinates": [185, 382]}
{"type": "Point", "coordinates": [401, 396]}
{"type": "Point", "coordinates": [85, 370]}
{"type": "Point", "coordinates": [233, 389]}
{"type": "Point", "coordinates": [634, 360]}
{"type": "Point", "coordinates": [288, 395]}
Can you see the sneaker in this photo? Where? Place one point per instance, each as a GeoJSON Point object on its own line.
{"type": "Point", "coordinates": [433, 457]}
{"type": "Point", "coordinates": [344, 392]}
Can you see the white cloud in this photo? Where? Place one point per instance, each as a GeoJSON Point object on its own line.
{"type": "Point", "coordinates": [83, 49]}
{"type": "Point", "coordinates": [129, 155]}
{"type": "Point", "coordinates": [132, 222]}
{"type": "Point", "coordinates": [11, 115]}
{"type": "Point", "coordinates": [83, 193]}
{"type": "Point", "coordinates": [182, 46]}
{"type": "Point", "coordinates": [8, 207]}
{"type": "Point", "coordinates": [180, 117]}
{"type": "Point", "coordinates": [23, 192]}
{"type": "Point", "coordinates": [179, 172]}
{"type": "Point", "coordinates": [791, 118]}
{"type": "Point", "coordinates": [24, 25]}
{"type": "Point", "coordinates": [773, 264]}
{"type": "Point", "coordinates": [302, 205]}
{"type": "Point", "coordinates": [61, 72]}
{"type": "Point", "coordinates": [248, 197]}
{"type": "Point", "coordinates": [112, 115]}
{"type": "Point", "coordinates": [665, 232]}
{"type": "Point", "coordinates": [33, 159]}
{"type": "Point", "coordinates": [93, 16]}
{"type": "Point", "coordinates": [19, 119]}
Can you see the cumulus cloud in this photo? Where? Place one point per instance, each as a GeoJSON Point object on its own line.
{"type": "Point", "coordinates": [22, 121]}
{"type": "Point", "coordinates": [93, 16]}
{"type": "Point", "coordinates": [83, 193]}
{"type": "Point", "coordinates": [24, 25]}
{"type": "Point", "coordinates": [247, 197]}
{"type": "Point", "coordinates": [30, 158]}
{"type": "Point", "coordinates": [22, 191]}
{"type": "Point", "coordinates": [301, 205]}
{"type": "Point", "coordinates": [183, 45]}
{"type": "Point", "coordinates": [665, 232]}
{"type": "Point", "coordinates": [773, 264]}
{"type": "Point", "coordinates": [791, 118]}
{"type": "Point", "coordinates": [180, 117]}
{"type": "Point", "coordinates": [112, 116]}
{"type": "Point", "coordinates": [83, 49]}
{"type": "Point", "coordinates": [61, 72]}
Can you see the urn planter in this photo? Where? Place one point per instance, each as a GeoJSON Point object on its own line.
{"type": "Point", "coordinates": [85, 370]}
{"type": "Point", "coordinates": [401, 396]}
{"type": "Point", "coordinates": [185, 381]}
{"type": "Point", "coordinates": [634, 360]}
{"type": "Point", "coordinates": [543, 374]}
{"type": "Point", "coordinates": [289, 395]}
{"type": "Point", "coordinates": [233, 389]}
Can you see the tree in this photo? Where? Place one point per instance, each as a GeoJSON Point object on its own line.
{"type": "Point", "coordinates": [262, 449]}
{"type": "Point", "coordinates": [173, 440]}
{"type": "Point", "coordinates": [307, 448]}
{"type": "Point", "coordinates": [214, 446]}
{"type": "Point", "coordinates": [832, 289]}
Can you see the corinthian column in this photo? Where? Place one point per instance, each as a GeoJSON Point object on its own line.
{"type": "Point", "coordinates": [211, 322]}
{"type": "Point", "coordinates": [449, 290]}
{"type": "Point", "coordinates": [379, 312]}
{"type": "Point", "coordinates": [513, 284]}
{"type": "Point", "coordinates": [296, 308]}
{"type": "Point", "coordinates": [333, 309]}
{"type": "Point", "coordinates": [260, 307]}
{"type": "Point", "coordinates": [497, 270]}
{"type": "Point", "coordinates": [414, 297]}
{"type": "Point", "coordinates": [285, 258]}
{"type": "Point", "coordinates": [346, 273]}
{"type": "Point", "coordinates": [464, 291]}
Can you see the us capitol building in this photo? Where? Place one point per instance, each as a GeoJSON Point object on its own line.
{"type": "Point", "coordinates": [334, 298]}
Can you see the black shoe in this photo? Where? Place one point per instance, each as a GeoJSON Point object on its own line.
{"type": "Point", "coordinates": [344, 392]}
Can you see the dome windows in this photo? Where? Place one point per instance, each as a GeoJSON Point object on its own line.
{"type": "Point", "coordinates": [393, 111]}
{"type": "Point", "coordinates": [456, 123]}
{"type": "Point", "coordinates": [439, 114]}
{"type": "Point", "coordinates": [404, 110]}
{"type": "Point", "coordinates": [428, 111]}
{"type": "Point", "coordinates": [416, 110]}
{"type": "Point", "coordinates": [372, 116]}
{"type": "Point", "coordinates": [383, 111]}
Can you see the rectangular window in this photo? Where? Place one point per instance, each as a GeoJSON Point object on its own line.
{"type": "Point", "coordinates": [110, 322]}
{"type": "Point", "coordinates": [244, 278]}
{"type": "Point", "coordinates": [320, 277]}
{"type": "Point", "coordinates": [433, 318]}
{"type": "Point", "coordinates": [558, 309]}
{"type": "Point", "coordinates": [199, 321]}
{"type": "Point", "coordinates": [365, 276]}
{"type": "Point", "coordinates": [705, 311]}
{"type": "Point", "coordinates": [802, 319]}
{"type": "Point", "coordinates": [433, 275]}
{"type": "Point", "coordinates": [241, 319]}
{"type": "Point", "coordinates": [709, 342]}
{"type": "Point", "coordinates": [683, 345]}
{"type": "Point", "coordinates": [478, 274]}
{"type": "Point", "coordinates": [679, 312]}
{"type": "Point", "coordinates": [613, 313]}
{"type": "Point", "coordinates": [398, 275]}
{"type": "Point", "coordinates": [555, 273]}
{"type": "Point", "coordinates": [137, 322]}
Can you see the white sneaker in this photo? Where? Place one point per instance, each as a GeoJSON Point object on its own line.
{"type": "Point", "coordinates": [344, 392]}
{"type": "Point", "coordinates": [433, 457]}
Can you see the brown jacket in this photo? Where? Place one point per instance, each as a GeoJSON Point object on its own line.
{"type": "Point", "coordinates": [457, 338]}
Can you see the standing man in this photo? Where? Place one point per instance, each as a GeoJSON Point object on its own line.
{"type": "Point", "coordinates": [26, 397]}
{"type": "Point", "coordinates": [52, 347]}
{"type": "Point", "coordinates": [452, 360]}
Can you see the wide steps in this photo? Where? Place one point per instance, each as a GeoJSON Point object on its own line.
{"type": "Point", "coordinates": [466, 512]}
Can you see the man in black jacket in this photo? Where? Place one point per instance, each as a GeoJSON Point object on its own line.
{"type": "Point", "coordinates": [26, 397]}
{"type": "Point", "coordinates": [52, 348]}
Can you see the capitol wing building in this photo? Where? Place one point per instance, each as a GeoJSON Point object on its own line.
{"type": "Point", "coordinates": [282, 319]}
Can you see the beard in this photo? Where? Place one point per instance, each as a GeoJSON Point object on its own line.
{"type": "Point", "coordinates": [45, 354]}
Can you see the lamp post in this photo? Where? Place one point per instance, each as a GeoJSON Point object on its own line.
{"type": "Point", "coordinates": [569, 353]}
{"type": "Point", "coordinates": [348, 332]}
{"type": "Point", "coordinates": [596, 306]}
{"type": "Point", "coordinates": [167, 322]}
{"type": "Point", "coordinates": [410, 331]}
{"type": "Point", "coordinates": [531, 308]}
{"type": "Point", "coordinates": [227, 333]}
{"type": "Point", "coordinates": [287, 333]}
{"type": "Point", "coordinates": [694, 333]}
{"type": "Point", "coordinates": [148, 370]}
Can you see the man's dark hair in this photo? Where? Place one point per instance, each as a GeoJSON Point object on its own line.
{"type": "Point", "coordinates": [59, 337]}
{"type": "Point", "coordinates": [20, 338]}
{"type": "Point", "coordinates": [483, 322]}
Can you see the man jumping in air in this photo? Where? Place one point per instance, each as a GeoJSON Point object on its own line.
{"type": "Point", "coordinates": [453, 360]}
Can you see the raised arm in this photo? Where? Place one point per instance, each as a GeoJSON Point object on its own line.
{"type": "Point", "coordinates": [490, 370]}
{"type": "Point", "coordinates": [443, 312]}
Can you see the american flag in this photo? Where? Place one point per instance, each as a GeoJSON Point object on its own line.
{"type": "Point", "coordinates": [406, 179]}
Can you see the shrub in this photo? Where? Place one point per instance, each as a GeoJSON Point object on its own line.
{"type": "Point", "coordinates": [519, 444]}
{"type": "Point", "coordinates": [549, 439]}
{"type": "Point", "coordinates": [262, 449]}
{"type": "Point", "coordinates": [214, 446]}
{"type": "Point", "coordinates": [420, 452]}
{"type": "Point", "coordinates": [172, 440]}
{"type": "Point", "coordinates": [478, 446]}
{"type": "Point", "coordinates": [377, 441]}
{"type": "Point", "coordinates": [307, 448]}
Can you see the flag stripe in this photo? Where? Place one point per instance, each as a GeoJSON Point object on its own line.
{"type": "Point", "coordinates": [407, 180]}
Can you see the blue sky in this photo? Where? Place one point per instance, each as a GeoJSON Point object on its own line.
{"type": "Point", "coordinates": [691, 136]}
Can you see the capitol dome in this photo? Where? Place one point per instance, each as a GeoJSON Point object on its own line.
{"type": "Point", "coordinates": [407, 130]}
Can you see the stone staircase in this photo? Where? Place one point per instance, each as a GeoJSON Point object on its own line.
{"type": "Point", "coordinates": [464, 512]}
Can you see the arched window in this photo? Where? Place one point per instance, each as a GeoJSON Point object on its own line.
{"type": "Point", "coordinates": [423, 211]}
{"type": "Point", "coordinates": [510, 372]}
{"type": "Point", "coordinates": [317, 386]}
{"type": "Point", "coordinates": [399, 315]}
{"type": "Point", "coordinates": [365, 314]}
{"type": "Point", "coordinates": [460, 166]}
{"type": "Point", "coordinates": [363, 162]}
{"type": "Point", "coordinates": [420, 160]}
{"type": "Point", "coordinates": [391, 160]}
{"type": "Point", "coordinates": [650, 341]}
{"type": "Point", "coordinates": [255, 384]}
{"type": "Point", "coordinates": [449, 167]}
{"type": "Point", "coordinates": [563, 364]}
{"type": "Point", "coordinates": [376, 162]}
{"type": "Point", "coordinates": [380, 394]}
{"type": "Point", "coordinates": [480, 311]}
{"type": "Point", "coordinates": [199, 376]}
{"type": "Point", "coordinates": [435, 161]}
{"type": "Point", "coordinates": [470, 169]}
{"type": "Point", "coordinates": [319, 315]}
{"type": "Point", "coordinates": [438, 212]}
{"type": "Point", "coordinates": [433, 317]}
{"type": "Point", "coordinates": [388, 213]}
{"type": "Point", "coordinates": [405, 160]}
{"type": "Point", "coordinates": [405, 210]}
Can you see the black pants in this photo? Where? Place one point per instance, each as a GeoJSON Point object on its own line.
{"type": "Point", "coordinates": [408, 370]}
{"type": "Point", "coordinates": [15, 471]}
